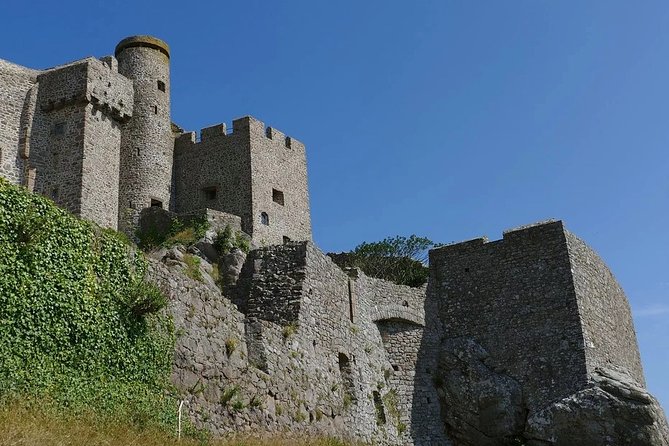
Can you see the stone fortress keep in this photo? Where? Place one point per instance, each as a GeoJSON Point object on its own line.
{"type": "Point", "coordinates": [524, 340]}
{"type": "Point", "coordinates": [96, 136]}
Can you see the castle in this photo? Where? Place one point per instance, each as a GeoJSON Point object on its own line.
{"type": "Point", "coordinates": [96, 136]}
{"type": "Point", "coordinates": [524, 340]}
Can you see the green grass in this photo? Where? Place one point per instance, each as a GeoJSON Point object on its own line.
{"type": "Point", "coordinates": [21, 425]}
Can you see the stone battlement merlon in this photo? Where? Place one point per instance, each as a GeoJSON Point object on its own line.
{"type": "Point", "coordinates": [538, 228]}
{"type": "Point", "coordinates": [246, 125]}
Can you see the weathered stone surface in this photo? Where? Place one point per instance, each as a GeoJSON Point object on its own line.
{"type": "Point", "coordinates": [615, 410]}
{"type": "Point", "coordinates": [311, 368]}
{"type": "Point", "coordinates": [480, 405]}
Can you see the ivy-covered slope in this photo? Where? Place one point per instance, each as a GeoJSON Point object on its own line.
{"type": "Point", "coordinates": [78, 326]}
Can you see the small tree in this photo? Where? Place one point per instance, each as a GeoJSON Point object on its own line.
{"type": "Point", "coordinates": [399, 259]}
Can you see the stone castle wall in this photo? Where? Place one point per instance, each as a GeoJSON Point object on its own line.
{"type": "Point", "coordinates": [278, 185]}
{"type": "Point", "coordinates": [515, 298]}
{"type": "Point", "coordinates": [223, 168]}
{"type": "Point", "coordinates": [247, 172]}
{"type": "Point", "coordinates": [328, 364]}
{"type": "Point", "coordinates": [147, 144]}
{"type": "Point", "coordinates": [15, 85]}
{"type": "Point", "coordinates": [608, 329]}
{"type": "Point", "coordinates": [66, 146]}
{"type": "Point", "coordinates": [96, 136]}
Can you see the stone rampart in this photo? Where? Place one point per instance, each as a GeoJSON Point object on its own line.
{"type": "Point", "coordinates": [255, 172]}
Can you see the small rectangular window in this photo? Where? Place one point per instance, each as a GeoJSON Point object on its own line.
{"type": "Point", "coordinates": [155, 109]}
{"type": "Point", "coordinates": [286, 239]}
{"type": "Point", "coordinates": [59, 128]}
{"type": "Point", "coordinates": [209, 193]}
{"type": "Point", "coordinates": [161, 85]}
{"type": "Point", "coordinates": [277, 196]}
{"type": "Point", "coordinates": [156, 203]}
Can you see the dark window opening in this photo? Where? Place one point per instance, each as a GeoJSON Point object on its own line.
{"type": "Point", "coordinates": [351, 304]}
{"type": "Point", "coordinates": [346, 373]}
{"type": "Point", "coordinates": [155, 109]}
{"type": "Point", "coordinates": [209, 193]}
{"type": "Point", "coordinates": [156, 203]}
{"type": "Point", "coordinates": [380, 412]}
{"type": "Point", "coordinates": [54, 193]}
{"type": "Point", "coordinates": [277, 196]}
{"type": "Point", "coordinates": [137, 151]}
{"type": "Point", "coordinates": [466, 270]}
{"type": "Point", "coordinates": [161, 85]}
{"type": "Point", "coordinates": [396, 367]}
{"type": "Point", "coordinates": [59, 128]}
{"type": "Point", "coordinates": [286, 240]}
{"type": "Point", "coordinates": [264, 218]}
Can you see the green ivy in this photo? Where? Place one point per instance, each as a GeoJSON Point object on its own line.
{"type": "Point", "coordinates": [78, 328]}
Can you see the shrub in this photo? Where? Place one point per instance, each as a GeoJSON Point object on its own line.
{"type": "Point", "coordinates": [228, 239]}
{"type": "Point", "coordinates": [398, 259]}
{"type": "Point", "coordinates": [178, 233]}
{"type": "Point", "coordinates": [193, 266]}
{"type": "Point", "coordinates": [145, 298]}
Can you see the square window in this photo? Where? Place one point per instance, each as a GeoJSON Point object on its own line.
{"type": "Point", "coordinates": [156, 203]}
{"type": "Point", "coordinates": [161, 85]}
{"type": "Point", "coordinates": [209, 193]}
{"type": "Point", "coordinates": [59, 128]}
{"type": "Point", "coordinates": [277, 196]}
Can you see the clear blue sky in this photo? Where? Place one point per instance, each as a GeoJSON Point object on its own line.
{"type": "Point", "coordinates": [448, 119]}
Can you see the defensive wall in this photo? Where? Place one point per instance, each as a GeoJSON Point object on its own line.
{"type": "Point", "coordinates": [96, 136]}
{"type": "Point", "coordinates": [535, 313]}
{"type": "Point", "coordinates": [252, 171]}
{"type": "Point", "coordinates": [316, 349]}
{"type": "Point", "coordinates": [62, 132]}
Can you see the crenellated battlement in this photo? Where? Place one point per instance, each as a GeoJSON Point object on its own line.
{"type": "Point", "coordinates": [87, 81]}
{"type": "Point", "coordinates": [244, 126]}
{"type": "Point", "coordinates": [96, 135]}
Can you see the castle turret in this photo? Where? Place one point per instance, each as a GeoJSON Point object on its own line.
{"type": "Point", "coordinates": [147, 143]}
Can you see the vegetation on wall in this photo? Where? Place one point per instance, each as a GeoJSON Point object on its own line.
{"type": "Point", "coordinates": [79, 329]}
{"type": "Point", "coordinates": [228, 239]}
{"type": "Point", "coordinates": [178, 232]}
{"type": "Point", "coordinates": [399, 259]}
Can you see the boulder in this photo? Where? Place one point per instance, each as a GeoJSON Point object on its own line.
{"type": "Point", "coordinates": [480, 405]}
{"type": "Point", "coordinates": [615, 410]}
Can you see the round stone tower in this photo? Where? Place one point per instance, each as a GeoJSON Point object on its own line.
{"type": "Point", "coordinates": [147, 143]}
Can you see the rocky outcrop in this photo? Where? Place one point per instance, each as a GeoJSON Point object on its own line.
{"type": "Point", "coordinates": [480, 404]}
{"type": "Point", "coordinates": [614, 411]}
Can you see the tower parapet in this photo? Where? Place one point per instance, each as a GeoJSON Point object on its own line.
{"type": "Point", "coordinates": [253, 171]}
{"type": "Point", "coordinates": [147, 142]}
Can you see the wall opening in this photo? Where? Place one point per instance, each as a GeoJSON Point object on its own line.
{"type": "Point", "coordinates": [155, 109]}
{"type": "Point", "coordinates": [378, 405]}
{"type": "Point", "coordinates": [161, 85]}
{"type": "Point", "coordinates": [277, 196]}
{"type": "Point", "coordinates": [347, 379]}
{"type": "Point", "coordinates": [351, 303]}
{"type": "Point", "coordinates": [264, 218]}
{"type": "Point", "coordinates": [286, 240]}
{"type": "Point", "coordinates": [156, 203]}
{"type": "Point", "coordinates": [209, 193]}
{"type": "Point", "coordinates": [59, 128]}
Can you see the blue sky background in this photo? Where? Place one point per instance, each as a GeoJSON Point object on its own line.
{"type": "Point", "coordinates": [447, 119]}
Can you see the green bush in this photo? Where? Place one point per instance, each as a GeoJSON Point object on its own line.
{"type": "Point", "coordinates": [66, 335]}
{"type": "Point", "coordinates": [228, 239]}
{"type": "Point", "coordinates": [178, 233]}
{"type": "Point", "coordinates": [402, 260]}
{"type": "Point", "coordinates": [145, 298]}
